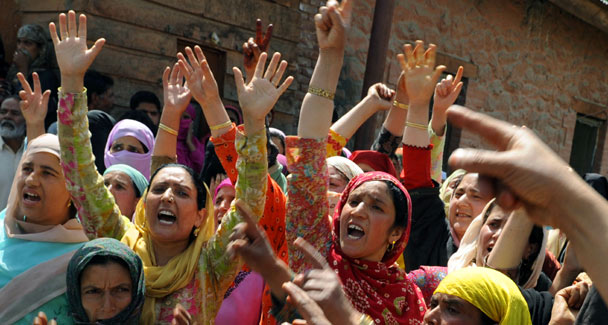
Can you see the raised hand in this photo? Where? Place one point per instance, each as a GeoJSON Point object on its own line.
{"type": "Point", "coordinates": [176, 96]}
{"type": "Point", "coordinates": [420, 72]}
{"type": "Point", "coordinates": [41, 319]}
{"type": "Point", "coordinates": [181, 316]}
{"type": "Point", "coordinates": [73, 55]}
{"type": "Point", "coordinates": [332, 22]}
{"type": "Point", "coordinates": [254, 47]}
{"type": "Point", "coordinates": [306, 306]}
{"type": "Point", "coordinates": [34, 103]}
{"type": "Point", "coordinates": [567, 303]}
{"type": "Point", "coordinates": [201, 81]}
{"type": "Point", "coordinates": [259, 96]}
{"type": "Point", "coordinates": [447, 91]}
{"type": "Point", "coordinates": [323, 286]}
{"type": "Point", "coordinates": [381, 95]}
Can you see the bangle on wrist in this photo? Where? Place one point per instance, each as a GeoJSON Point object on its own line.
{"type": "Point", "coordinates": [321, 93]}
{"type": "Point", "coordinates": [167, 129]}
{"type": "Point", "coordinates": [401, 105]}
{"type": "Point", "coordinates": [221, 126]}
{"type": "Point", "coordinates": [416, 125]}
{"type": "Point", "coordinates": [365, 320]}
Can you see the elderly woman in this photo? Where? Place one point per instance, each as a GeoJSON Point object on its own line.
{"type": "Point", "coordinates": [131, 143]}
{"type": "Point", "coordinates": [478, 296]}
{"type": "Point", "coordinates": [127, 185]}
{"type": "Point", "coordinates": [173, 232]}
{"type": "Point", "coordinates": [39, 235]}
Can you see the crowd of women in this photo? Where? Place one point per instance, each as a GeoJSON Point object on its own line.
{"type": "Point", "coordinates": [293, 229]}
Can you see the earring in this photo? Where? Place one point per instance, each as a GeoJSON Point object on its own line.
{"type": "Point", "coordinates": [391, 246]}
{"type": "Point", "coordinates": [196, 230]}
{"type": "Point", "coordinates": [69, 204]}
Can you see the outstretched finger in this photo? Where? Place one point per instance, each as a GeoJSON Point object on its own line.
{"type": "Point", "coordinates": [308, 308]}
{"type": "Point", "coordinates": [97, 47]}
{"type": "Point", "coordinates": [409, 54]}
{"type": "Point", "coordinates": [193, 61]}
{"type": "Point", "coordinates": [285, 85]}
{"type": "Point", "coordinates": [267, 37]}
{"type": "Point", "coordinates": [63, 28]}
{"type": "Point", "coordinates": [437, 73]}
{"type": "Point", "coordinates": [184, 65]}
{"type": "Point", "coordinates": [279, 74]}
{"type": "Point", "coordinates": [430, 55]}
{"type": "Point", "coordinates": [272, 67]}
{"type": "Point", "coordinates": [238, 80]}
{"type": "Point", "coordinates": [53, 32]}
{"type": "Point", "coordinates": [346, 9]}
{"type": "Point", "coordinates": [36, 79]}
{"type": "Point", "coordinates": [173, 76]}
{"type": "Point", "coordinates": [259, 68]}
{"type": "Point", "coordinates": [419, 52]}
{"type": "Point", "coordinates": [258, 31]}
{"type": "Point", "coordinates": [199, 54]}
{"type": "Point", "coordinates": [166, 77]}
{"type": "Point", "coordinates": [486, 162]}
{"type": "Point", "coordinates": [82, 26]}
{"type": "Point", "coordinates": [24, 84]}
{"type": "Point", "coordinates": [496, 132]}
{"type": "Point", "coordinates": [311, 254]}
{"type": "Point", "coordinates": [458, 75]}
{"type": "Point", "coordinates": [72, 24]}
{"type": "Point", "coordinates": [253, 232]}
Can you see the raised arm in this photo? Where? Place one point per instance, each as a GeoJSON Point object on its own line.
{"type": "Point", "coordinates": [256, 99]}
{"type": "Point", "coordinates": [509, 248]}
{"type": "Point", "coordinates": [97, 210]}
{"type": "Point", "coordinates": [254, 47]}
{"type": "Point", "coordinates": [307, 205]}
{"type": "Point", "coordinates": [34, 105]}
{"type": "Point", "coordinates": [535, 177]}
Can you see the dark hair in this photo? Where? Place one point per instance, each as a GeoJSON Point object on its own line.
{"type": "Point", "coordinates": [140, 116]}
{"type": "Point", "coordinates": [144, 96]}
{"type": "Point", "coordinates": [201, 191]}
{"type": "Point", "coordinates": [96, 83]}
{"type": "Point", "coordinates": [485, 319]}
{"type": "Point", "coordinates": [525, 270]}
{"type": "Point", "coordinates": [400, 202]}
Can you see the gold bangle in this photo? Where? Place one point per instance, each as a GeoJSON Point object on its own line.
{"type": "Point", "coordinates": [321, 93]}
{"type": "Point", "coordinates": [416, 125]}
{"type": "Point", "coordinates": [401, 105]}
{"type": "Point", "coordinates": [365, 320]}
{"type": "Point", "coordinates": [167, 129]}
{"type": "Point", "coordinates": [221, 126]}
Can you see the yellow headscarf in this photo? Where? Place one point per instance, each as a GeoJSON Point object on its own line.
{"type": "Point", "coordinates": [490, 291]}
{"type": "Point", "coordinates": [164, 280]}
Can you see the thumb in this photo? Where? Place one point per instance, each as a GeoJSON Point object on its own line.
{"type": "Point", "coordinates": [336, 20]}
{"type": "Point", "coordinates": [238, 80]}
{"type": "Point", "coordinates": [437, 73]}
{"type": "Point", "coordinates": [45, 98]}
{"type": "Point", "coordinates": [97, 47]}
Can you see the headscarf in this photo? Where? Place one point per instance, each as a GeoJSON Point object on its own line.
{"type": "Point", "coordinates": [376, 160]}
{"type": "Point", "coordinates": [193, 159]}
{"type": "Point", "coordinates": [100, 126]}
{"type": "Point", "coordinates": [445, 193]}
{"type": "Point", "coordinates": [598, 182]}
{"type": "Point", "coordinates": [224, 183]}
{"type": "Point", "coordinates": [179, 271]}
{"type": "Point", "coordinates": [138, 161]}
{"type": "Point", "coordinates": [139, 180]}
{"type": "Point", "coordinates": [379, 289]}
{"type": "Point", "coordinates": [70, 232]}
{"type": "Point", "coordinates": [467, 252]}
{"type": "Point", "coordinates": [492, 292]}
{"type": "Point", "coordinates": [79, 262]}
{"type": "Point", "coordinates": [347, 167]}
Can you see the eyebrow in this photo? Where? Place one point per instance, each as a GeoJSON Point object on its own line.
{"type": "Point", "coordinates": [452, 302]}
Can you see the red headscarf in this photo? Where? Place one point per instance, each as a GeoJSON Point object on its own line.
{"type": "Point", "coordinates": [378, 289]}
{"type": "Point", "coordinates": [376, 160]}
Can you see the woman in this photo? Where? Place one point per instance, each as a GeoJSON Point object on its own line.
{"type": "Point", "coordinates": [127, 185]}
{"type": "Point", "coordinates": [130, 143]}
{"type": "Point", "coordinates": [190, 149]}
{"type": "Point", "coordinates": [482, 237]}
{"type": "Point", "coordinates": [105, 280]}
{"type": "Point", "coordinates": [222, 199]}
{"type": "Point", "coordinates": [187, 264]}
{"type": "Point", "coordinates": [477, 296]}
{"type": "Point", "coordinates": [448, 186]}
{"type": "Point", "coordinates": [40, 234]}
{"type": "Point", "coordinates": [341, 170]}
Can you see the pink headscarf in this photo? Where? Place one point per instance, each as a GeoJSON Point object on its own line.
{"type": "Point", "coordinates": [139, 161]}
{"type": "Point", "coordinates": [224, 183]}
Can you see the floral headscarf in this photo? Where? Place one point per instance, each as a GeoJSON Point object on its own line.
{"type": "Point", "coordinates": [378, 289]}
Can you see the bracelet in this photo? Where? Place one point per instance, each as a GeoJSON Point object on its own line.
{"type": "Point", "coordinates": [167, 129]}
{"type": "Point", "coordinates": [321, 93]}
{"type": "Point", "coordinates": [221, 126]}
{"type": "Point", "coordinates": [401, 105]}
{"type": "Point", "coordinates": [366, 320]}
{"type": "Point", "coordinates": [416, 125]}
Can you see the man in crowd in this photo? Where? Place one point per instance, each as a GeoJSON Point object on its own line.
{"type": "Point", "coordinates": [12, 135]}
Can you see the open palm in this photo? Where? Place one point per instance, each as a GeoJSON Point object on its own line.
{"type": "Point", "coordinates": [73, 56]}
{"type": "Point", "coordinates": [34, 103]}
{"type": "Point", "coordinates": [201, 81]}
{"type": "Point", "coordinates": [176, 95]}
{"type": "Point", "coordinates": [420, 72]}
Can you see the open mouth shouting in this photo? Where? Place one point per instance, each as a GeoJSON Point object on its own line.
{"type": "Point", "coordinates": [166, 217]}
{"type": "Point", "coordinates": [354, 231]}
{"type": "Point", "coordinates": [30, 197]}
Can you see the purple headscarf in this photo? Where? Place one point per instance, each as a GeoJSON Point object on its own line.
{"type": "Point", "coordinates": [135, 129]}
{"type": "Point", "coordinates": [193, 159]}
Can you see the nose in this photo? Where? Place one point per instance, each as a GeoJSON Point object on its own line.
{"type": "Point", "coordinates": [496, 234]}
{"type": "Point", "coordinates": [225, 204]}
{"type": "Point", "coordinates": [359, 210]}
{"type": "Point", "coordinates": [167, 196]}
{"type": "Point", "coordinates": [108, 303]}
{"type": "Point", "coordinates": [32, 179]}
{"type": "Point", "coordinates": [431, 316]}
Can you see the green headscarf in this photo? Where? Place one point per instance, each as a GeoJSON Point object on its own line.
{"type": "Point", "coordinates": [139, 180]}
{"type": "Point", "coordinates": [113, 248]}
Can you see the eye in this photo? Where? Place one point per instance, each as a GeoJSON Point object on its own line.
{"type": "Point", "coordinates": [93, 291]}
{"type": "Point", "coordinates": [159, 189]}
{"type": "Point", "coordinates": [182, 193]}
{"type": "Point", "coordinates": [353, 202]}
{"type": "Point", "coordinates": [453, 310]}
{"type": "Point", "coordinates": [117, 147]}
{"type": "Point", "coordinates": [378, 208]}
{"type": "Point", "coordinates": [27, 169]}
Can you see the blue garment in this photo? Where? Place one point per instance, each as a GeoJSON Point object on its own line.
{"type": "Point", "coordinates": [18, 256]}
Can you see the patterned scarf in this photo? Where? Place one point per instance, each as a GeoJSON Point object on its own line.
{"type": "Point", "coordinates": [378, 289]}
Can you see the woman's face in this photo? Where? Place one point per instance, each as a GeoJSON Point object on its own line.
{"type": "Point", "coordinates": [171, 208]}
{"type": "Point", "coordinates": [105, 290]}
{"type": "Point", "coordinates": [128, 143]}
{"type": "Point", "coordinates": [43, 196]}
{"type": "Point", "coordinates": [489, 233]}
{"type": "Point", "coordinates": [451, 310]}
{"type": "Point", "coordinates": [277, 142]}
{"type": "Point", "coordinates": [468, 201]}
{"type": "Point", "coordinates": [30, 46]}
{"type": "Point", "coordinates": [366, 222]}
{"type": "Point", "coordinates": [337, 181]}
{"type": "Point", "coordinates": [224, 197]}
{"type": "Point", "coordinates": [122, 188]}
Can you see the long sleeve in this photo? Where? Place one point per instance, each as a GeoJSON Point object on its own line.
{"type": "Point", "coordinates": [216, 269]}
{"type": "Point", "coordinates": [335, 143]}
{"type": "Point", "coordinates": [386, 142]}
{"type": "Point", "coordinates": [97, 210]}
{"type": "Point", "coordinates": [307, 205]}
{"type": "Point", "coordinates": [416, 171]}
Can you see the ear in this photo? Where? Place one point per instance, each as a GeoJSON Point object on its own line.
{"type": "Point", "coordinates": [530, 248]}
{"type": "Point", "coordinates": [200, 217]}
{"type": "Point", "coordinates": [395, 234]}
